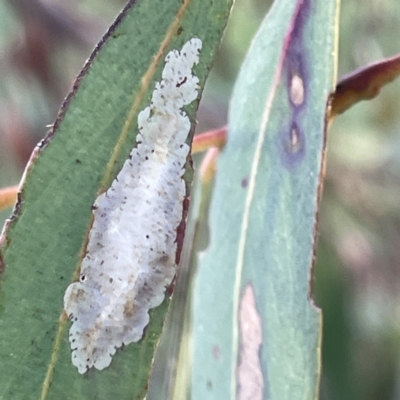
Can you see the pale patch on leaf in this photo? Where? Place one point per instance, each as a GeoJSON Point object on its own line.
{"type": "Point", "coordinates": [250, 377]}
{"type": "Point", "coordinates": [297, 90]}
{"type": "Point", "coordinates": [130, 257]}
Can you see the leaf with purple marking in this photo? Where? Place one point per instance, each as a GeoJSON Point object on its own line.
{"type": "Point", "coordinates": [256, 329]}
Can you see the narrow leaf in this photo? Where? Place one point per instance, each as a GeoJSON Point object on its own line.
{"type": "Point", "coordinates": [43, 244]}
{"type": "Point", "coordinates": [256, 330]}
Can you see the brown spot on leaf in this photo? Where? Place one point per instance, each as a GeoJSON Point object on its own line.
{"type": "Point", "coordinates": [129, 309]}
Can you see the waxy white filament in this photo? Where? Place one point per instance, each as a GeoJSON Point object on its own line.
{"type": "Point", "coordinates": [130, 258]}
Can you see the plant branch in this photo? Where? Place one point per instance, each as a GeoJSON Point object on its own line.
{"type": "Point", "coordinates": [8, 196]}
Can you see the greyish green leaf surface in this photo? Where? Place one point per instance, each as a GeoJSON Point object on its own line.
{"type": "Point", "coordinates": [256, 330]}
{"type": "Point", "coordinates": [42, 246]}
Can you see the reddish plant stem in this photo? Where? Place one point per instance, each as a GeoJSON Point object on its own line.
{"type": "Point", "coordinates": [8, 197]}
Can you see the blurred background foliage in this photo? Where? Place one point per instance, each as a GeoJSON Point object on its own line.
{"type": "Point", "coordinates": [43, 45]}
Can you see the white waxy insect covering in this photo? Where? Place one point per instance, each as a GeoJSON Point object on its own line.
{"type": "Point", "coordinates": [130, 258]}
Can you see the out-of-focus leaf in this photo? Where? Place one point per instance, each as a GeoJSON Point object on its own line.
{"type": "Point", "coordinates": [170, 376]}
{"type": "Point", "coordinates": [339, 382]}
{"type": "Point", "coordinates": [42, 244]}
{"type": "Point", "coordinates": [364, 84]}
{"type": "Point", "coordinates": [256, 332]}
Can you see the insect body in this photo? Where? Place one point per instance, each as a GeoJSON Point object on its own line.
{"type": "Point", "coordinates": [130, 257]}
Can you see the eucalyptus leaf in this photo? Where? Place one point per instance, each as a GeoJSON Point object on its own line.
{"type": "Point", "coordinates": [256, 331]}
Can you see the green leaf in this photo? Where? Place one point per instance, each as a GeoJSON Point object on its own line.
{"type": "Point", "coordinates": [256, 331]}
{"type": "Point", "coordinates": [43, 244]}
